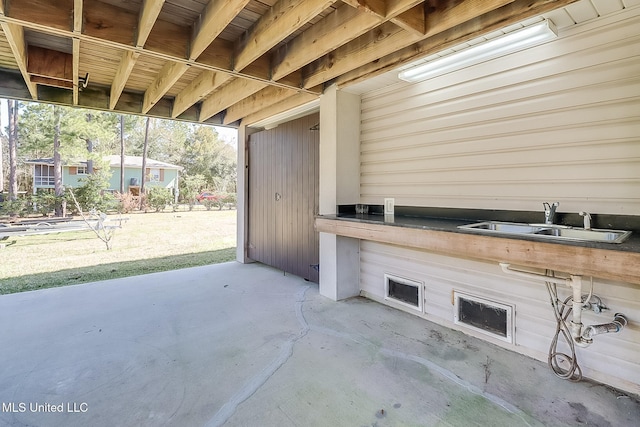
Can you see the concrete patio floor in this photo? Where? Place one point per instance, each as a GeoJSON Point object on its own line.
{"type": "Point", "coordinates": [245, 345]}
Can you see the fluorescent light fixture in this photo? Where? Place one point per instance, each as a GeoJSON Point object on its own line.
{"type": "Point", "coordinates": [503, 45]}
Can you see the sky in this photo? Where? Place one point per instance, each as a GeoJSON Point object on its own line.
{"type": "Point", "coordinates": [229, 135]}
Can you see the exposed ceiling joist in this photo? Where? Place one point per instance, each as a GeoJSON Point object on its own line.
{"type": "Point", "coordinates": [77, 29]}
{"type": "Point", "coordinates": [510, 14]}
{"type": "Point", "coordinates": [148, 16]}
{"type": "Point", "coordinates": [387, 39]}
{"type": "Point", "coordinates": [278, 108]}
{"type": "Point", "coordinates": [228, 95]}
{"type": "Point", "coordinates": [167, 77]}
{"type": "Point", "coordinates": [15, 38]}
{"type": "Point", "coordinates": [127, 63]}
{"type": "Point", "coordinates": [256, 102]}
{"type": "Point", "coordinates": [281, 20]}
{"type": "Point", "coordinates": [254, 57]}
{"type": "Point", "coordinates": [198, 89]}
{"type": "Point", "coordinates": [215, 18]}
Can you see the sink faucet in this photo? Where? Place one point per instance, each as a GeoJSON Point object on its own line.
{"type": "Point", "coordinates": [550, 211]}
{"type": "Point", "coordinates": [587, 220]}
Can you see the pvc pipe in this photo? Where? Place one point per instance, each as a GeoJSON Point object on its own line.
{"type": "Point", "coordinates": [534, 276]}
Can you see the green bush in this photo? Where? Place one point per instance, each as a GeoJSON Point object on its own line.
{"type": "Point", "coordinates": [91, 195]}
{"type": "Point", "coordinates": [13, 208]}
{"type": "Point", "coordinates": [158, 198]}
{"type": "Point", "coordinates": [45, 202]}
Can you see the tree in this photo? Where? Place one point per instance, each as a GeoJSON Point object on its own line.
{"type": "Point", "coordinates": [13, 149]}
{"type": "Point", "coordinates": [205, 154]}
{"type": "Point", "coordinates": [121, 154]}
{"type": "Point", "coordinates": [144, 159]}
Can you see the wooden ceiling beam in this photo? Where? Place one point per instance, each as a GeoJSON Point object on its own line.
{"type": "Point", "coordinates": [197, 90]}
{"type": "Point", "coordinates": [228, 95]}
{"type": "Point", "coordinates": [386, 39]}
{"type": "Point", "coordinates": [148, 17]}
{"type": "Point", "coordinates": [406, 14]}
{"type": "Point", "coordinates": [342, 25]}
{"type": "Point", "coordinates": [77, 29]}
{"type": "Point", "coordinates": [167, 77]}
{"type": "Point", "coordinates": [374, 7]}
{"type": "Point", "coordinates": [76, 69]}
{"type": "Point", "coordinates": [127, 63]}
{"type": "Point", "coordinates": [285, 17]}
{"type": "Point", "coordinates": [381, 41]}
{"type": "Point", "coordinates": [107, 25]}
{"type": "Point", "coordinates": [217, 15]}
{"type": "Point", "coordinates": [15, 37]}
{"type": "Point", "coordinates": [279, 107]}
{"type": "Point", "coordinates": [215, 18]}
{"type": "Point", "coordinates": [515, 12]}
{"type": "Point", "coordinates": [413, 20]}
{"type": "Point", "coordinates": [146, 20]}
{"type": "Point", "coordinates": [256, 102]}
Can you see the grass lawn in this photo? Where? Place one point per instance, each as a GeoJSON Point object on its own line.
{"type": "Point", "coordinates": [147, 243]}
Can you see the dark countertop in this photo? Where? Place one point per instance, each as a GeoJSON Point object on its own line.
{"type": "Point", "coordinates": [632, 244]}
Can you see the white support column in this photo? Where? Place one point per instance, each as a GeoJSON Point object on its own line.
{"type": "Point", "coordinates": [242, 207]}
{"type": "Point", "coordinates": [339, 184]}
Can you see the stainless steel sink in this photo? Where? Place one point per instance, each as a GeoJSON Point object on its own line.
{"type": "Point", "coordinates": [595, 235]}
{"type": "Point", "coordinates": [548, 231]}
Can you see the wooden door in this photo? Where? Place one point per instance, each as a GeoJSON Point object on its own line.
{"type": "Point", "coordinates": [283, 197]}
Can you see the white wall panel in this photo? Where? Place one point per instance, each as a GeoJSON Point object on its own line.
{"type": "Point", "coordinates": [559, 122]}
{"type": "Point", "coordinates": [611, 359]}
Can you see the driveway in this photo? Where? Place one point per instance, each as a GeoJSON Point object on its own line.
{"type": "Point", "coordinates": [245, 345]}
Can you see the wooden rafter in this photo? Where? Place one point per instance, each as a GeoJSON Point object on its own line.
{"type": "Point", "coordinates": [127, 63]}
{"type": "Point", "coordinates": [241, 73]}
{"type": "Point", "coordinates": [77, 29]}
{"type": "Point", "coordinates": [280, 21]}
{"type": "Point", "coordinates": [148, 16]}
{"type": "Point", "coordinates": [168, 75]}
{"type": "Point", "coordinates": [406, 14]}
{"type": "Point", "coordinates": [228, 95]}
{"type": "Point", "coordinates": [15, 36]}
{"type": "Point", "coordinates": [388, 38]}
{"type": "Point", "coordinates": [341, 26]}
{"type": "Point", "coordinates": [76, 69]}
{"type": "Point", "coordinates": [486, 23]}
{"type": "Point", "coordinates": [215, 18]}
{"type": "Point", "coordinates": [279, 107]}
{"type": "Point", "coordinates": [198, 89]}
{"type": "Point", "coordinates": [256, 102]}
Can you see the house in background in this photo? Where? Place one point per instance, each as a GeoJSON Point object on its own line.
{"type": "Point", "coordinates": [157, 174]}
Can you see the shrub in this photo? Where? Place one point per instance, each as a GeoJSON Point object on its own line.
{"type": "Point", "coordinates": [158, 198]}
{"type": "Point", "coordinates": [45, 202]}
{"type": "Point", "coordinates": [91, 194]}
{"type": "Point", "coordinates": [127, 202]}
{"type": "Point", "coordinates": [13, 208]}
{"type": "Point", "coordinates": [230, 200]}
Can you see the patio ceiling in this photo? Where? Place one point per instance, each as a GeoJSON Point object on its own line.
{"type": "Point", "coordinates": [225, 61]}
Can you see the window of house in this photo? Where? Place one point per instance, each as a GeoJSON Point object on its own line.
{"type": "Point", "coordinates": [82, 170]}
{"type": "Point", "coordinates": [154, 175]}
{"type": "Point", "coordinates": [44, 175]}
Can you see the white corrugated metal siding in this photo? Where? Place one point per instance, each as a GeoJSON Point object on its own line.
{"type": "Point", "coordinates": [611, 359]}
{"type": "Point", "coordinates": [559, 122]}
